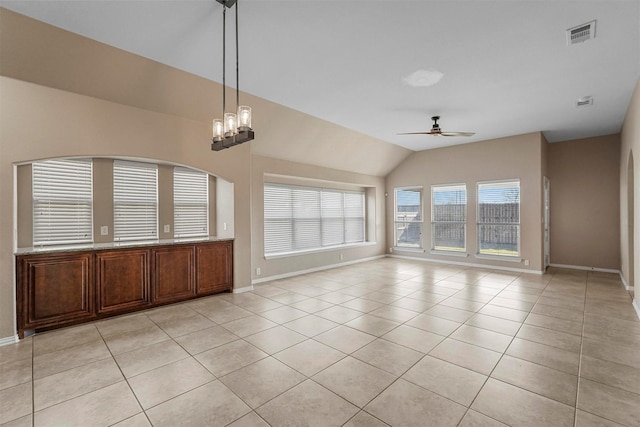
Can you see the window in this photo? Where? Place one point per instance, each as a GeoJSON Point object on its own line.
{"type": "Point", "coordinates": [298, 218]}
{"type": "Point", "coordinates": [62, 202]}
{"type": "Point", "coordinates": [499, 218]}
{"type": "Point", "coordinates": [190, 203]}
{"type": "Point", "coordinates": [448, 217]}
{"type": "Point", "coordinates": [408, 217]}
{"type": "Point", "coordinates": [135, 200]}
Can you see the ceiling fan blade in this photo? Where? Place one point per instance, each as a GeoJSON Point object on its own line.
{"type": "Point", "coordinates": [436, 131]}
{"type": "Point", "coordinates": [458, 133]}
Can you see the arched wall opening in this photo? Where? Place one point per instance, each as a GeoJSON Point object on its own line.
{"type": "Point", "coordinates": [220, 191]}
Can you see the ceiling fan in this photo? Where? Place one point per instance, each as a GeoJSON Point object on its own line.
{"type": "Point", "coordinates": [435, 130]}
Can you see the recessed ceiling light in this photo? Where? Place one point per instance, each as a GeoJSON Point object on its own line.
{"type": "Point", "coordinates": [423, 78]}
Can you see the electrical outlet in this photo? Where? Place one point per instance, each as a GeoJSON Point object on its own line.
{"type": "Point", "coordinates": [526, 262]}
{"type": "Point", "coordinates": [341, 257]}
{"type": "Point", "coordinates": [104, 230]}
{"type": "Point", "coordinates": [167, 228]}
{"type": "Point", "coordinates": [258, 271]}
{"type": "Point", "coordinates": [224, 226]}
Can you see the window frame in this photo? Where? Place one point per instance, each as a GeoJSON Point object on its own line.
{"type": "Point", "coordinates": [135, 200]}
{"type": "Point", "coordinates": [299, 224]}
{"type": "Point", "coordinates": [479, 225]}
{"type": "Point", "coordinates": [396, 243]}
{"type": "Point", "coordinates": [454, 187]}
{"type": "Point", "coordinates": [195, 207]}
{"type": "Point", "coordinates": [69, 174]}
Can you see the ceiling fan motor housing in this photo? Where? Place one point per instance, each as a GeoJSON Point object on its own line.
{"type": "Point", "coordinates": [436, 126]}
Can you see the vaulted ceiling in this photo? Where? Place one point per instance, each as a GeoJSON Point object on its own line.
{"type": "Point", "coordinates": [505, 67]}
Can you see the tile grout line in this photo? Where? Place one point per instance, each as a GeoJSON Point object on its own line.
{"type": "Point", "coordinates": [350, 355]}
{"type": "Point", "coordinates": [500, 359]}
{"type": "Point", "coordinates": [376, 337]}
{"type": "Point", "coordinates": [580, 366]}
{"type": "Point", "coordinates": [584, 308]}
{"type": "Point", "coordinates": [124, 376]}
{"type": "Point", "coordinates": [66, 370]}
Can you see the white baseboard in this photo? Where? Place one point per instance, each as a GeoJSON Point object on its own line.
{"type": "Point", "coordinates": [580, 267]}
{"type": "Point", "coordinates": [313, 270]}
{"type": "Point", "coordinates": [243, 289]}
{"type": "Point", "coordinates": [624, 282]}
{"type": "Point", "coordinates": [634, 303]}
{"type": "Point", "coordinates": [9, 340]}
{"type": "Point", "coordinates": [468, 264]}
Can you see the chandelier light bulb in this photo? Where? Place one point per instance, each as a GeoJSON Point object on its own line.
{"type": "Point", "coordinates": [230, 124]}
{"type": "Point", "coordinates": [244, 118]}
{"type": "Point", "coordinates": [218, 130]}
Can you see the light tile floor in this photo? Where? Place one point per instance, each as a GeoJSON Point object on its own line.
{"type": "Point", "coordinates": [387, 342]}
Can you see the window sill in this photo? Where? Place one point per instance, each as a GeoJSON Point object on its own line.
{"type": "Point", "coordinates": [402, 249]}
{"type": "Point", "coordinates": [450, 253]}
{"type": "Point", "coordinates": [319, 250]}
{"type": "Point", "coordinates": [506, 258]}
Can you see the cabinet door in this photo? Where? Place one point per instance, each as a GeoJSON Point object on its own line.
{"type": "Point", "coordinates": [214, 266]}
{"type": "Point", "coordinates": [122, 280]}
{"type": "Point", "coordinates": [173, 273]}
{"type": "Point", "coordinates": [54, 289]}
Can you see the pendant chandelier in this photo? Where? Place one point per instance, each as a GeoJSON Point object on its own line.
{"type": "Point", "coordinates": [235, 127]}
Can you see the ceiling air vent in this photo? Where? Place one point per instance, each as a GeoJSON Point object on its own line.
{"type": "Point", "coordinates": [584, 101]}
{"type": "Point", "coordinates": [581, 33]}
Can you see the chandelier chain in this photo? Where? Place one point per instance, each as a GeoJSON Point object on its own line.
{"type": "Point", "coordinates": [237, 63]}
{"type": "Point", "coordinates": [224, 65]}
{"type": "Point", "coordinates": [235, 127]}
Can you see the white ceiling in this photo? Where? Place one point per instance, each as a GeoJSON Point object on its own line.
{"type": "Point", "coordinates": [506, 64]}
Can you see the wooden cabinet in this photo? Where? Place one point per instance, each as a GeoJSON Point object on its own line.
{"type": "Point", "coordinates": [55, 289]}
{"type": "Point", "coordinates": [214, 268]}
{"type": "Point", "coordinates": [63, 288]}
{"type": "Point", "coordinates": [173, 273]}
{"type": "Point", "coordinates": [122, 280]}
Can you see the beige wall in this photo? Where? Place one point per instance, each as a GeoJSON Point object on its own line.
{"type": "Point", "coordinates": [40, 53]}
{"type": "Point", "coordinates": [64, 95]}
{"type": "Point", "coordinates": [267, 169]}
{"type": "Point", "coordinates": [102, 200]}
{"type": "Point", "coordinates": [24, 208]}
{"type": "Point", "coordinates": [585, 202]}
{"type": "Point", "coordinates": [91, 127]}
{"type": "Point", "coordinates": [517, 157]}
{"type": "Point", "coordinates": [630, 147]}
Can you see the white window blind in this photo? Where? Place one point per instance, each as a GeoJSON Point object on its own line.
{"type": "Point", "coordinates": [354, 216]}
{"type": "Point", "coordinates": [408, 217]}
{"type": "Point", "coordinates": [304, 218]}
{"type": "Point", "coordinates": [448, 217]}
{"type": "Point", "coordinates": [190, 203]}
{"type": "Point", "coordinates": [62, 202]}
{"type": "Point", "coordinates": [135, 200]}
{"type": "Point", "coordinates": [499, 218]}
